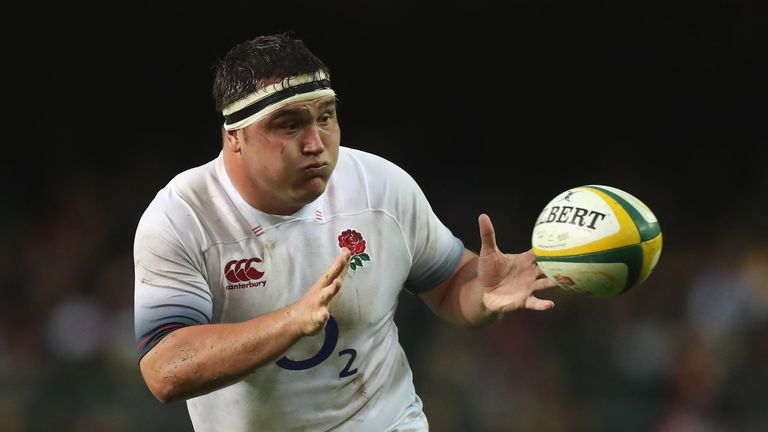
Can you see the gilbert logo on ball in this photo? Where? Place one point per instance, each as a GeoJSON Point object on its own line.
{"type": "Point", "coordinates": [597, 240]}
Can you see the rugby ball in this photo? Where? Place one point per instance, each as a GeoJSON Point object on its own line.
{"type": "Point", "coordinates": [597, 240]}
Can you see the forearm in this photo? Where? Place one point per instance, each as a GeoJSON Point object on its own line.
{"type": "Point", "coordinates": [459, 300]}
{"type": "Point", "coordinates": [199, 359]}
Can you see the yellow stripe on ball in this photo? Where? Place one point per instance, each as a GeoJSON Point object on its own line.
{"type": "Point", "coordinates": [651, 253]}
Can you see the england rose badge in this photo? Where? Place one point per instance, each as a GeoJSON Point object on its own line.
{"type": "Point", "coordinates": [355, 242]}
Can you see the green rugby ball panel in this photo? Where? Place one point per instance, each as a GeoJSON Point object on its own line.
{"type": "Point", "coordinates": [601, 274]}
{"type": "Point", "coordinates": [644, 219]}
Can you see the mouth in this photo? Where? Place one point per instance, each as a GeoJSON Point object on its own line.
{"type": "Point", "coordinates": [315, 167]}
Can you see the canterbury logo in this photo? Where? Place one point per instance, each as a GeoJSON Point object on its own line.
{"type": "Point", "coordinates": [243, 270]}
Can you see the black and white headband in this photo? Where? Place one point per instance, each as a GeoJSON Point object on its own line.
{"type": "Point", "coordinates": [271, 98]}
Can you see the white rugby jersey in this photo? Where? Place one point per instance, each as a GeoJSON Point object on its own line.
{"type": "Point", "coordinates": [203, 255]}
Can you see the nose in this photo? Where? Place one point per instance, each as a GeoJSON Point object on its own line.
{"type": "Point", "coordinates": [312, 141]}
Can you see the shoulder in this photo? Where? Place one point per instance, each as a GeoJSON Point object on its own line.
{"type": "Point", "coordinates": [368, 163]}
{"type": "Point", "coordinates": [175, 212]}
{"type": "Point", "coordinates": [182, 191]}
{"type": "Point", "coordinates": [375, 172]}
{"type": "Point", "coordinates": [363, 177]}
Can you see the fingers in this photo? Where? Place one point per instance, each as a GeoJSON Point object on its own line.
{"type": "Point", "coordinates": [329, 285]}
{"type": "Point", "coordinates": [538, 304]}
{"type": "Point", "coordinates": [543, 283]}
{"type": "Point", "coordinates": [346, 256]}
{"type": "Point", "coordinates": [487, 236]}
{"type": "Point", "coordinates": [539, 272]}
{"type": "Point", "coordinates": [315, 304]}
{"type": "Point", "coordinates": [339, 266]}
{"type": "Point", "coordinates": [529, 255]}
{"type": "Point", "coordinates": [328, 293]}
{"type": "Point", "coordinates": [343, 259]}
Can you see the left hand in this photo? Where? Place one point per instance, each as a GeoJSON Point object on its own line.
{"type": "Point", "coordinates": [509, 280]}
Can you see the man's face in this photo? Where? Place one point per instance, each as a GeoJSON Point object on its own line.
{"type": "Point", "coordinates": [289, 156]}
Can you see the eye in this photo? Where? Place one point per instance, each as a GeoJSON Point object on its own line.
{"type": "Point", "coordinates": [290, 126]}
{"type": "Point", "coordinates": [325, 117]}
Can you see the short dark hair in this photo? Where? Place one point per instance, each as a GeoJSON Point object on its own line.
{"type": "Point", "coordinates": [252, 64]}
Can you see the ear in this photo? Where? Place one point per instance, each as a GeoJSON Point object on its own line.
{"type": "Point", "coordinates": [233, 140]}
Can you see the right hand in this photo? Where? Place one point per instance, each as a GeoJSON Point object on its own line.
{"type": "Point", "coordinates": [311, 312]}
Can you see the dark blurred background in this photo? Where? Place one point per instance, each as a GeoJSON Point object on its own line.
{"type": "Point", "coordinates": [493, 107]}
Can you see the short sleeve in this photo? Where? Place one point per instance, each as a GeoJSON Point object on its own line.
{"type": "Point", "coordinates": [170, 289]}
{"type": "Point", "coordinates": [435, 251]}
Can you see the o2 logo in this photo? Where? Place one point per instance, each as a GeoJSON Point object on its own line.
{"type": "Point", "coordinates": [329, 344]}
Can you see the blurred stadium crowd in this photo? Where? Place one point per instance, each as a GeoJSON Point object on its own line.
{"type": "Point", "coordinates": [665, 100]}
{"type": "Point", "coordinates": [684, 352]}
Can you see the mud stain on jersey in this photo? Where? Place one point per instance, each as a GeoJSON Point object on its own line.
{"type": "Point", "coordinates": [360, 392]}
{"type": "Point", "coordinates": [359, 311]}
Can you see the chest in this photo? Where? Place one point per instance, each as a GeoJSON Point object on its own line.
{"type": "Point", "coordinates": [277, 265]}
